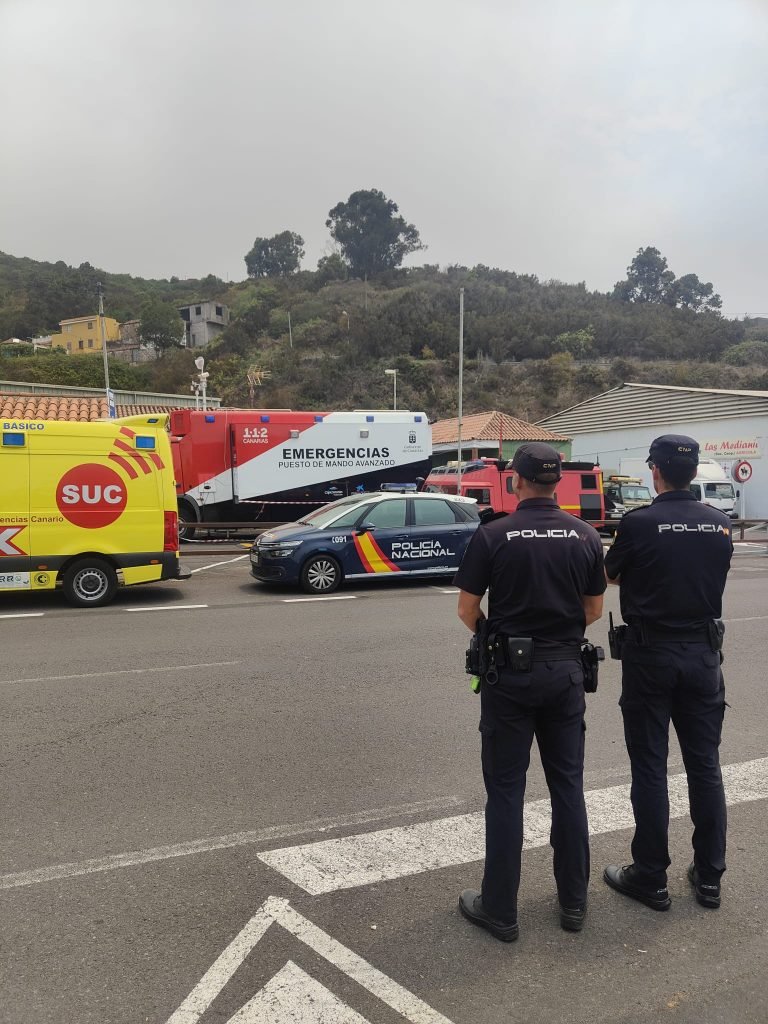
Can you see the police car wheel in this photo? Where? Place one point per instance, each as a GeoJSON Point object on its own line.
{"type": "Point", "coordinates": [90, 583]}
{"type": "Point", "coordinates": [320, 575]}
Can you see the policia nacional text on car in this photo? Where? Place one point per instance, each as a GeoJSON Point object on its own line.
{"type": "Point", "coordinates": [671, 560]}
{"type": "Point", "coordinates": [544, 572]}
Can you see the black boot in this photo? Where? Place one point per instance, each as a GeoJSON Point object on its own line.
{"type": "Point", "coordinates": [471, 906]}
{"type": "Point", "coordinates": [628, 881]}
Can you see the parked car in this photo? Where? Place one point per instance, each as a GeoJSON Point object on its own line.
{"type": "Point", "coordinates": [378, 535]}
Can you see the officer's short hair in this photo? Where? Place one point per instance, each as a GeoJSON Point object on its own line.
{"type": "Point", "coordinates": [676, 457]}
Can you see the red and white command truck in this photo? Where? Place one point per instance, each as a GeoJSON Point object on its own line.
{"type": "Point", "coordinates": [489, 482]}
{"type": "Point", "coordinates": [242, 465]}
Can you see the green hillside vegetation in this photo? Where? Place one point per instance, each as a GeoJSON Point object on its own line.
{"type": "Point", "coordinates": [531, 347]}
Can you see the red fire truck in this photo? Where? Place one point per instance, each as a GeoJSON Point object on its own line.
{"type": "Point", "coordinates": [489, 482]}
{"type": "Point", "coordinates": [275, 465]}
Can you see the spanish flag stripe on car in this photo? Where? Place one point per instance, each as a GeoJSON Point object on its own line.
{"type": "Point", "coordinates": [371, 555]}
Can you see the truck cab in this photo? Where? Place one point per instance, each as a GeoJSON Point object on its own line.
{"type": "Point", "coordinates": [622, 494]}
{"type": "Point", "coordinates": [489, 482]}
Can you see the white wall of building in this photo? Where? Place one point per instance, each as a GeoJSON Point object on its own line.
{"type": "Point", "coordinates": [610, 446]}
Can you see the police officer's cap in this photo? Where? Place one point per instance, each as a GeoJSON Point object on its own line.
{"type": "Point", "coordinates": [674, 450]}
{"type": "Point", "coordinates": [537, 462]}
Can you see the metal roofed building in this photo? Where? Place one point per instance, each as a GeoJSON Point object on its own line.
{"type": "Point", "coordinates": [489, 435]}
{"type": "Point", "coordinates": [731, 426]}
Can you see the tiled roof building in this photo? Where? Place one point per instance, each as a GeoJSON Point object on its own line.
{"type": "Point", "coordinates": [489, 435]}
{"type": "Point", "coordinates": [82, 410]}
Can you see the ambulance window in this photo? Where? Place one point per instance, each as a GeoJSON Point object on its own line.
{"type": "Point", "coordinates": [482, 495]}
{"type": "Point", "coordinates": [588, 482]}
{"type": "Point", "coordinates": [433, 513]}
{"type": "Point", "coordinates": [388, 515]}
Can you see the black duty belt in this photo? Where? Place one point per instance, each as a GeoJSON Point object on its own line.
{"type": "Point", "coordinates": [645, 633]}
{"type": "Point", "coordinates": [564, 653]}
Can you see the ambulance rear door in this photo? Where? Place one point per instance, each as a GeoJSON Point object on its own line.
{"type": "Point", "coordinates": [15, 549]}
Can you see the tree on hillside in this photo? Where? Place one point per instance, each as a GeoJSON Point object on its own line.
{"type": "Point", "coordinates": [369, 232]}
{"type": "Point", "coordinates": [688, 292]}
{"type": "Point", "coordinates": [276, 256]}
{"type": "Point", "coordinates": [161, 326]}
{"type": "Point", "coordinates": [649, 279]}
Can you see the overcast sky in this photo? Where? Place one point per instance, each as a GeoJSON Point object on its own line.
{"type": "Point", "coordinates": [555, 137]}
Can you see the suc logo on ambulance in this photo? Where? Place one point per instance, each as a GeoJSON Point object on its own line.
{"type": "Point", "coordinates": [91, 496]}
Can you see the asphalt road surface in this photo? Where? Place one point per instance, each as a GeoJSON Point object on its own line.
{"type": "Point", "coordinates": [227, 803]}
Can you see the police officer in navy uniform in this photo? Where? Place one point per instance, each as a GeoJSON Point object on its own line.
{"type": "Point", "coordinates": [544, 573]}
{"type": "Point", "coordinates": [671, 560]}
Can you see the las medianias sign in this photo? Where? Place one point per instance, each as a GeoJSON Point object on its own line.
{"type": "Point", "coordinates": [732, 448]}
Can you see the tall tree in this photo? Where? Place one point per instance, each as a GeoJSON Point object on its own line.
{"type": "Point", "coordinates": [688, 292]}
{"type": "Point", "coordinates": [276, 256]}
{"type": "Point", "coordinates": [648, 278]}
{"type": "Point", "coordinates": [161, 326]}
{"type": "Point", "coordinates": [370, 233]}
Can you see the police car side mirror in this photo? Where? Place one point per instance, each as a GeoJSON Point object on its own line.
{"type": "Point", "coordinates": [364, 528]}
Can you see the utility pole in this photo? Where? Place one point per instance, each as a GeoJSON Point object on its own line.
{"type": "Point", "coordinates": [103, 330]}
{"type": "Point", "coordinates": [461, 385]}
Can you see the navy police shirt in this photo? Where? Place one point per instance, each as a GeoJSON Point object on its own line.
{"type": "Point", "coordinates": [536, 564]}
{"type": "Point", "coordinates": [673, 558]}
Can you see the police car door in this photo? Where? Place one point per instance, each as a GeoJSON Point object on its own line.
{"type": "Point", "coordinates": [438, 536]}
{"type": "Point", "coordinates": [382, 537]}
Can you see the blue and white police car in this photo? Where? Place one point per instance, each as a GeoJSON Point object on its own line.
{"type": "Point", "coordinates": [381, 535]}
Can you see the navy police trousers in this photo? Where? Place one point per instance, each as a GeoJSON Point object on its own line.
{"type": "Point", "coordinates": [681, 683]}
{"type": "Point", "coordinates": [547, 703]}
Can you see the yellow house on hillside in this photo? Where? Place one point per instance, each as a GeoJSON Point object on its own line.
{"type": "Point", "coordinates": [82, 334]}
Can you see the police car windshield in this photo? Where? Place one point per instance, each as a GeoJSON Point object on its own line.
{"type": "Point", "coordinates": [325, 515]}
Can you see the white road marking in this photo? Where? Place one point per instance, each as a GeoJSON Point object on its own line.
{"type": "Point", "coordinates": [23, 615]}
{"type": "Point", "coordinates": [117, 672]}
{"type": "Point", "coordinates": [133, 858]}
{"type": "Point", "coordinates": [214, 565]}
{"type": "Point", "coordinates": [279, 911]}
{"type": "Point", "coordinates": [165, 608]}
{"type": "Point", "coordinates": [302, 600]}
{"type": "Point", "coordinates": [334, 864]}
{"type": "Point", "coordinates": [748, 618]}
{"type": "Point", "coordinates": [292, 995]}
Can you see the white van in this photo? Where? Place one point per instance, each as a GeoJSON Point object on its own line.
{"type": "Point", "coordinates": [710, 485]}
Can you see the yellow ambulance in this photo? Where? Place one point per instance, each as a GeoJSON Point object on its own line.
{"type": "Point", "coordinates": [87, 507]}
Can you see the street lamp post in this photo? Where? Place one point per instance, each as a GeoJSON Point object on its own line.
{"type": "Point", "coordinates": [102, 328]}
{"type": "Point", "coordinates": [393, 375]}
{"type": "Point", "coordinates": [461, 388]}
{"type": "Point", "coordinates": [203, 377]}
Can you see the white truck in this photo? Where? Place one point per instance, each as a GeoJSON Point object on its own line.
{"type": "Point", "coordinates": [710, 485]}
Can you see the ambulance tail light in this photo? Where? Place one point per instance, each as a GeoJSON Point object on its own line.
{"type": "Point", "coordinates": [171, 532]}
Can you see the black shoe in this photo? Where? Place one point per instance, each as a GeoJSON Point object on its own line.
{"type": "Point", "coordinates": [626, 881]}
{"type": "Point", "coordinates": [471, 906]}
{"type": "Point", "coordinates": [707, 895]}
{"type": "Point", "coordinates": [572, 918]}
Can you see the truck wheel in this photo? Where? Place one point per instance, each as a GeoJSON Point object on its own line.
{"type": "Point", "coordinates": [186, 518]}
{"type": "Point", "coordinates": [90, 583]}
{"type": "Point", "coordinates": [320, 575]}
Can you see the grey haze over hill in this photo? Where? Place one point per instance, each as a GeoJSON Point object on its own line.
{"type": "Point", "coordinates": [160, 138]}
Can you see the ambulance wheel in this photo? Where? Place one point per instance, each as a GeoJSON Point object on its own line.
{"type": "Point", "coordinates": [186, 518]}
{"type": "Point", "coordinates": [89, 583]}
{"type": "Point", "coordinates": [320, 575]}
